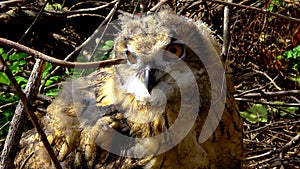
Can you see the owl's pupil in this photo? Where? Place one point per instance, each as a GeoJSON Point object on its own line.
{"type": "Point", "coordinates": [173, 50]}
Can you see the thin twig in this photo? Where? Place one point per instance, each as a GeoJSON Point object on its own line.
{"type": "Point", "coordinates": [272, 125]}
{"type": "Point", "coordinates": [264, 11]}
{"type": "Point", "coordinates": [158, 5]}
{"type": "Point", "coordinates": [291, 143]}
{"type": "Point", "coordinates": [8, 105]}
{"type": "Point", "coordinates": [295, 140]}
{"type": "Point", "coordinates": [73, 12]}
{"type": "Point", "coordinates": [9, 2]}
{"type": "Point", "coordinates": [226, 32]}
{"type": "Point", "coordinates": [14, 134]}
{"type": "Point", "coordinates": [269, 103]}
{"type": "Point", "coordinates": [34, 21]}
{"type": "Point", "coordinates": [111, 13]}
{"type": "Point", "coordinates": [53, 60]}
{"type": "Point", "coordinates": [77, 49]}
{"type": "Point", "coordinates": [4, 125]}
{"type": "Point", "coordinates": [270, 94]}
{"type": "Point", "coordinates": [268, 77]}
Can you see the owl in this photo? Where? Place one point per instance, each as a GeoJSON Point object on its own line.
{"type": "Point", "coordinates": [169, 105]}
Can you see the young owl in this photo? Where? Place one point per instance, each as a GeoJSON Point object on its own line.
{"type": "Point", "coordinates": [167, 106]}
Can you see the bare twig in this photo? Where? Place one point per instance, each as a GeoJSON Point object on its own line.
{"type": "Point", "coordinates": [262, 93]}
{"type": "Point", "coordinates": [34, 21]}
{"type": "Point", "coordinates": [226, 32]}
{"type": "Point", "coordinates": [50, 59]}
{"type": "Point", "coordinates": [291, 143]}
{"type": "Point", "coordinates": [7, 123]}
{"type": "Point", "coordinates": [73, 12]}
{"type": "Point", "coordinates": [158, 5]}
{"type": "Point", "coordinates": [10, 2]}
{"type": "Point", "coordinates": [272, 125]}
{"type": "Point", "coordinates": [77, 49]}
{"type": "Point", "coordinates": [260, 155]}
{"type": "Point", "coordinates": [256, 9]}
{"type": "Point", "coordinates": [268, 77]}
{"type": "Point", "coordinates": [8, 105]}
{"type": "Point", "coordinates": [111, 13]}
{"type": "Point", "coordinates": [269, 103]}
{"type": "Point", "coordinates": [17, 123]}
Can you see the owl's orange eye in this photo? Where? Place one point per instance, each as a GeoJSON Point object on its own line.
{"type": "Point", "coordinates": [130, 57]}
{"type": "Point", "coordinates": [174, 51]}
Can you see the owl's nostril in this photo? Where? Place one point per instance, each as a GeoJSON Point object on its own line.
{"type": "Point", "coordinates": [150, 78]}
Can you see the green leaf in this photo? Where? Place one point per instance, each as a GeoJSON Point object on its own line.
{"type": "Point", "coordinates": [279, 57]}
{"type": "Point", "coordinates": [289, 55]}
{"type": "Point", "coordinates": [21, 79]}
{"type": "Point", "coordinates": [109, 43]}
{"type": "Point", "coordinates": [8, 114]}
{"type": "Point", "coordinates": [22, 62]}
{"type": "Point", "coordinates": [105, 47]}
{"type": "Point", "coordinates": [271, 7]}
{"type": "Point", "coordinates": [295, 78]}
{"type": "Point", "coordinates": [48, 67]}
{"type": "Point", "coordinates": [1, 51]}
{"type": "Point", "coordinates": [257, 113]}
{"type": "Point", "coordinates": [52, 92]}
{"type": "Point", "coordinates": [4, 79]}
{"type": "Point", "coordinates": [291, 110]}
{"type": "Point", "coordinates": [295, 67]}
{"type": "Point", "coordinates": [17, 56]}
{"type": "Point", "coordinates": [53, 7]}
{"type": "Point", "coordinates": [5, 56]}
{"type": "Point", "coordinates": [104, 57]}
{"type": "Point", "coordinates": [55, 78]}
{"type": "Point", "coordinates": [81, 59]}
{"type": "Point", "coordinates": [14, 67]}
{"type": "Point", "coordinates": [52, 80]}
{"type": "Point", "coordinates": [284, 111]}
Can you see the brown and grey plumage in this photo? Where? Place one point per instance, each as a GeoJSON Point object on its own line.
{"type": "Point", "coordinates": [142, 98]}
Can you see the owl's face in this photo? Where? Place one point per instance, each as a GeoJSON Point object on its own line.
{"type": "Point", "coordinates": [155, 59]}
{"type": "Point", "coordinates": [151, 58]}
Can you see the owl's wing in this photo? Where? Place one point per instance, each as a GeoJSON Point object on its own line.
{"type": "Point", "coordinates": [72, 123]}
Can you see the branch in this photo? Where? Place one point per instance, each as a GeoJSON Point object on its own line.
{"type": "Point", "coordinates": [226, 33]}
{"type": "Point", "coordinates": [268, 77]}
{"type": "Point", "coordinates": [72, 12]}
{"type": "Point", "coordinates": [158, 5]}
{"type": "Point", "coordinates": [264, 11]}
{"type": "Point", "coordinates": [288, 145]}
{"type": "Point", "coordinates": [269, 103]}
{"type": "Point", "coordinates": [270, 94]}
{"type": "Point", "coordinates": [34, 21]}
{"type": "Point", "coordinates": [59, 62]}
{"type": "Point", "coordinates": [294, 141]}
{"type": "Point", "coordinates": [6, 158]}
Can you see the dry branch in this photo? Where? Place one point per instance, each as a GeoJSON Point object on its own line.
{"type": "Point", "coordinates": [55, 61]}
{"type": "Point", "coordinates": [14, 136]}
{"type": "Point", "coordinates": [256, 9]}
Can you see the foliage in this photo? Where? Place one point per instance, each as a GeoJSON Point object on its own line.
{"type": "Point", "coordinates": [276, 4]}
{"type": "Point", "coordinates": [291, 61]}
{"type": "Point", "coordinates": [102, 53]}
{"type": "Point", "coordinates": [16, 63]}
{"type": "Point", "coordinates": [53, 7]}
{"type": "Point", "coordinates": [259, 113]}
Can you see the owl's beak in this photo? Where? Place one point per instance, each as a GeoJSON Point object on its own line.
{"type": "Point", "coordinates": [149, 78]}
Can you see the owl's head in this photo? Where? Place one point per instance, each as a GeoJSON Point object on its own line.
{"type": "Point", "coordinates": [160, 52]}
